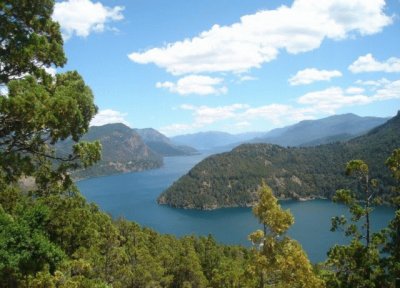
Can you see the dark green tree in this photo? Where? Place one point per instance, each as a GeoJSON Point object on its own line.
{"type": "Point", "coordinates": [29, 39]}
{"type": "Point", "coordinates": [357, 264]}
{"type": "Point", "coordinates": [392, 247]}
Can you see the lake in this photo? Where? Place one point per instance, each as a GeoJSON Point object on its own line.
{"type": "Point", "coordinates": [133, 196]}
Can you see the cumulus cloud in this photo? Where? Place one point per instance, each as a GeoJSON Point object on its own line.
{"type": "Point", "coordinates": [205, 115]}
{"type": "Point", "coordinates": [309, 106]}
{"type": "Point", "coordinates": [355, 90]}
{"type": "Point", "coordinates": [278, 114]}
{"type": "Point", "coordinates": [195, 84]}
{"type": "Point", "coordinates": [368, 63]}
{"type": "Point", "coordinates": [334, 98]}
{"type": "Point", "coordinates": [258, 38]}
{"type": "Point", "coordinates": [109, 116]}
{"type": "Point", "coordinates": [373, 84]}
{"type": "Point", "coordinates": [310, 75]}
{"type": "Point", "coordinates": [247, 78]}
{"type": "Point", "coordinates": [82, 17]}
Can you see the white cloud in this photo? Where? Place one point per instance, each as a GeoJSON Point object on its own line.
{"type": "Point", "coordinates": [195, 84]}
{"type": "Point", "coordinates": [247, 78]}
{"type": "Point", "coordinates": [109, 116]}
{"type": "Point", "coordinates": [390, 91]}
{"type": "Point", "coordinates": [331, 99]}
{"type": "Point", "coordinates": [310, 75]}
{"type": "Point", "coordinates": [258, 38]}
{"type": "Point", "coordinates": [205, 115]}
{"type": "Point", "coordinates": [310, 106]}
{"type": "Point", "coordinates": [355, 90]}
{"type": "Point", "coordinates": [81, 17]}
{"type": "Point", "coordinates": [368, 63]}
{"type": "Point", "coordinates": [242, 125]}
{"type": "Point", "coordinates": [334, 98]}
{"type": "Point", "coordinates": [373, 83]}
{"type": "Point", "coordinates": [278, 114]}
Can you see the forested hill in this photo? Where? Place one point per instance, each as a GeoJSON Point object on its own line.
{"type": "Point", "coordinates": [231, 179]}
{"type": "Point", "coordinates": [123, 150]}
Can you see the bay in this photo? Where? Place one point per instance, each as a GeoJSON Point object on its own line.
{"type": "Point", "coordinates": [133, 196]}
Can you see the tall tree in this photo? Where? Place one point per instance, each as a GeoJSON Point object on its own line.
{"type": "Point", "coordinates": [38, 110]}
{"type": "Point", "coordinates": [29, 39]}
{"type": "Point", "coordinates": [357, 264]}
{"type": "Point", "coordinates": [278, 260]}
{"type": "Point", "coordinates": [392, 247]}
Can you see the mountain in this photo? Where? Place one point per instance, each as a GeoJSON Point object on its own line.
{"type": "Point", "coordinates": [231, 179]}
{"type": "Point", "coordinates": [213, 139]}
{"type": "Point", "coordinates": [305, 133]}
{"type": "Point", "coordinates": [322, 131]}
{"type": "Point", "coordinates": [123, 150]}
{"type": "Point", "coordinates": [162, 145]}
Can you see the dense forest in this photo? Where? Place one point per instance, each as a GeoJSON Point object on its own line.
{"type": "Point", "coordinates": [51, 237]}
{"type": "Point", "coordinates": [232, 178]}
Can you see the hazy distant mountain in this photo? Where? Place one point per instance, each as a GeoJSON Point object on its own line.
{"type": "Point", "coordinates": [123, 150]}
{"type": "Point", "coordinates": [322, 131]}
{"type": "Point", "coordinates": [305, 133]}
{"type": "Point", "coordinates": [162, 145]}
{"type": "Point", "coordinates": [232, 179]}
{"type": "Point", "coordinates": [213, 139]}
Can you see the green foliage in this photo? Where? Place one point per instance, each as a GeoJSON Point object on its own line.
{"type": "Point", "coordinates": [29, 39]}
{"type": "Point", "coordinates": [231, 179]}
{"type": "Point", "coordinates": [25, 248]}
{"type": "Point", "coordinates": [359, 264]}
{"type": "Point", "coordinates": [278, 260]}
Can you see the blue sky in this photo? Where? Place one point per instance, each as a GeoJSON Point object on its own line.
{"type": "Point", "coordinates": [233, 65]}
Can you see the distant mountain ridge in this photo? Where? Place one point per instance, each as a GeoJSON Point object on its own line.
{"type": "Point", "coordinates": [322, 131]}
{"type": "Point", "coordinates": [231, 179]}
{"type": "Point", "coordinates": [162, 145]}
{"type": "Point", "coordinates": [213, 139]}
{"type": "Point", "coordinates": [305, 133]}
{"type": "Point", "coordinates": [123, 150]}
{"type": "Point", "coordinates": [126, 150]}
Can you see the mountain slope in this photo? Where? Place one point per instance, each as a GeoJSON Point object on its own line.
{"type": "Point", "coordinates": [231, 179]}
{"type": "Point", "coordinates": [123, 150]}
{"type": "Point", "coordinates": [213, 139]}
{"type": "Point", "coordinates": [321, 131]}
{"type": "Point", "coordinates": [162, 145]}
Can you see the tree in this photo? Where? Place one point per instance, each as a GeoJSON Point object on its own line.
{"type": "Point", "coordinates": [278, 260]}
{"type": "Point", "coordinates": [357, 264]}
{"type": "Point", "coordinates": [39, 110]}
{"type": "Point", "coordinates": [36, 112]}
{"type": "Point", "coordinates": [29, 39]}
{"type": "Point", "coordinates": [392, 233]}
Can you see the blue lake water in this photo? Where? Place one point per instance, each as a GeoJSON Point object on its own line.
{"type": "Point", "coordinates": [133, 196]}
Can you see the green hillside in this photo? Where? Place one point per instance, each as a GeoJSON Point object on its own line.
{"type": "Point", "coordinates": [232, 179]}
{"type": "Point", "coordinates": [123, 150]}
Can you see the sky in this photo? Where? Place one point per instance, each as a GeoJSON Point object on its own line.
{"type": "Point", "coordinates": [231, 65]}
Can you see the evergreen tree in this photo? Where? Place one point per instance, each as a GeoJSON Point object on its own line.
{"type": "Point", "coordinates": [357, 264]}
{"type": "Point", "coordinates": [278, 260]}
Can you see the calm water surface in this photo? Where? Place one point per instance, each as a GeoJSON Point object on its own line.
{"type": "Point", "coordinates": [133, 196]}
